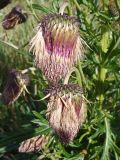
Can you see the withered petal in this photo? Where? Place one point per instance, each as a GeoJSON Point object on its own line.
{"type": "Point", "coordinates": [14, 17]}
{"type": "Point", "coordinates": [14, 86]}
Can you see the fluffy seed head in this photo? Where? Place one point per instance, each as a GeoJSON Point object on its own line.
{"type": "Point", "coordinates": [16, 82]}
{"type": "Point", "coordinates": [66, 111]}
{"type": "Point", "coordinates": [57, 45]}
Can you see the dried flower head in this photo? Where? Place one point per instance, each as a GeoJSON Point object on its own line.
{"type": "Point", "coordinates": [66, 110]}
{"type": "Point", "coordinates": [113, 8]}
{"type": "Point", "coordinates": [57, 45]}
{"type": "Point", "coordinates": [4, 3]}
{"type": "Point", "coordinates": [34, 144]}
{"type": "Point", "coordinates": [16, 16]}
{"type": "Point", "coordinates": [15, 84]}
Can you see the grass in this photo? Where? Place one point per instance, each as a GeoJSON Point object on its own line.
{"type": "Point", "coordinates": [98, 73]}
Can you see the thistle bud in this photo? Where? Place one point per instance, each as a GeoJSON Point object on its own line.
{"type": "Point", "coordinates": [14, 87]}
{"type": "Point", "coordinates": [66, 110]}
{"type": "Point", "coordinates": [34, 144]}
{"type": "Point", "coordinates": [4, 3]}
{"type": "Point", "coordinates": [57, 45]}
{"type": "Point", "coordinates": [16, 16]}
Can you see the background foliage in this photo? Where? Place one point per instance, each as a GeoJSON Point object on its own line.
{"type": "Point", "coordinates": [99, 74]}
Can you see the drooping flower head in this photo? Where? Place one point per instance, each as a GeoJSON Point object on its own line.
{"type": "Point", "coordinates": [16, 82]}
{"type": "Point", "coordinates": [14, 17]}
{"type": "Point", "coordinates": [66, 110]}
{"type": "Point", "coordinates": [57, 45]}
{"type": "Point", "coordinates": [34, 144]}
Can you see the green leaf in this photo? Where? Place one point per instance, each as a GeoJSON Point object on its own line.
{"type": "Point", "coordinates": [77, 157]}
{"type": "Point", "coordinates": [40, 117]}
{"type": "Point", "coordinates": [106, 41]}
{"type": "Point", "coordinates": [42, 8]}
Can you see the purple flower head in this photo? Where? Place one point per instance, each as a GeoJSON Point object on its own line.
{"type": "Point", "coordinates": [57, 45]}
{"type": "Point", "coordinates": [66, 111]}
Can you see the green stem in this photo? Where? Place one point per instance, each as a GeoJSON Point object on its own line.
{"type": "Point", "coordinates": [31, 8]}
{"type": "Point", "coordinates": [77, 5]}
{"type": "Point", "coordinates": [69, 9]}
{"type": "Point", "coordinates": [63, 7]}
{"type": "Point", "coordinates": [107, 140]}
{"type": "Point", "coordinates": [102, 75]}
{"type": "Point", "coordinates": [74, 69]}
{"type": "Point", "coordinates": [82, 75]}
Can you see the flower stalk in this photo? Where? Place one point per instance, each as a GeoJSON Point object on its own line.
{"type": "Point", "coordinates": [102, 76]}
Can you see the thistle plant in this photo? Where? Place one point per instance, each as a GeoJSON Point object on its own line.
{"type": "Point", "coordinates": [62, 117]}
{"type": "Point", "coordinates": [57, 45]}
{"type": "Point", "coordinates": [34, 144]}
{"type": "Point", "coordinates": [15, 85]}
{"type": "Point", "coordinates": [66, 110]}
